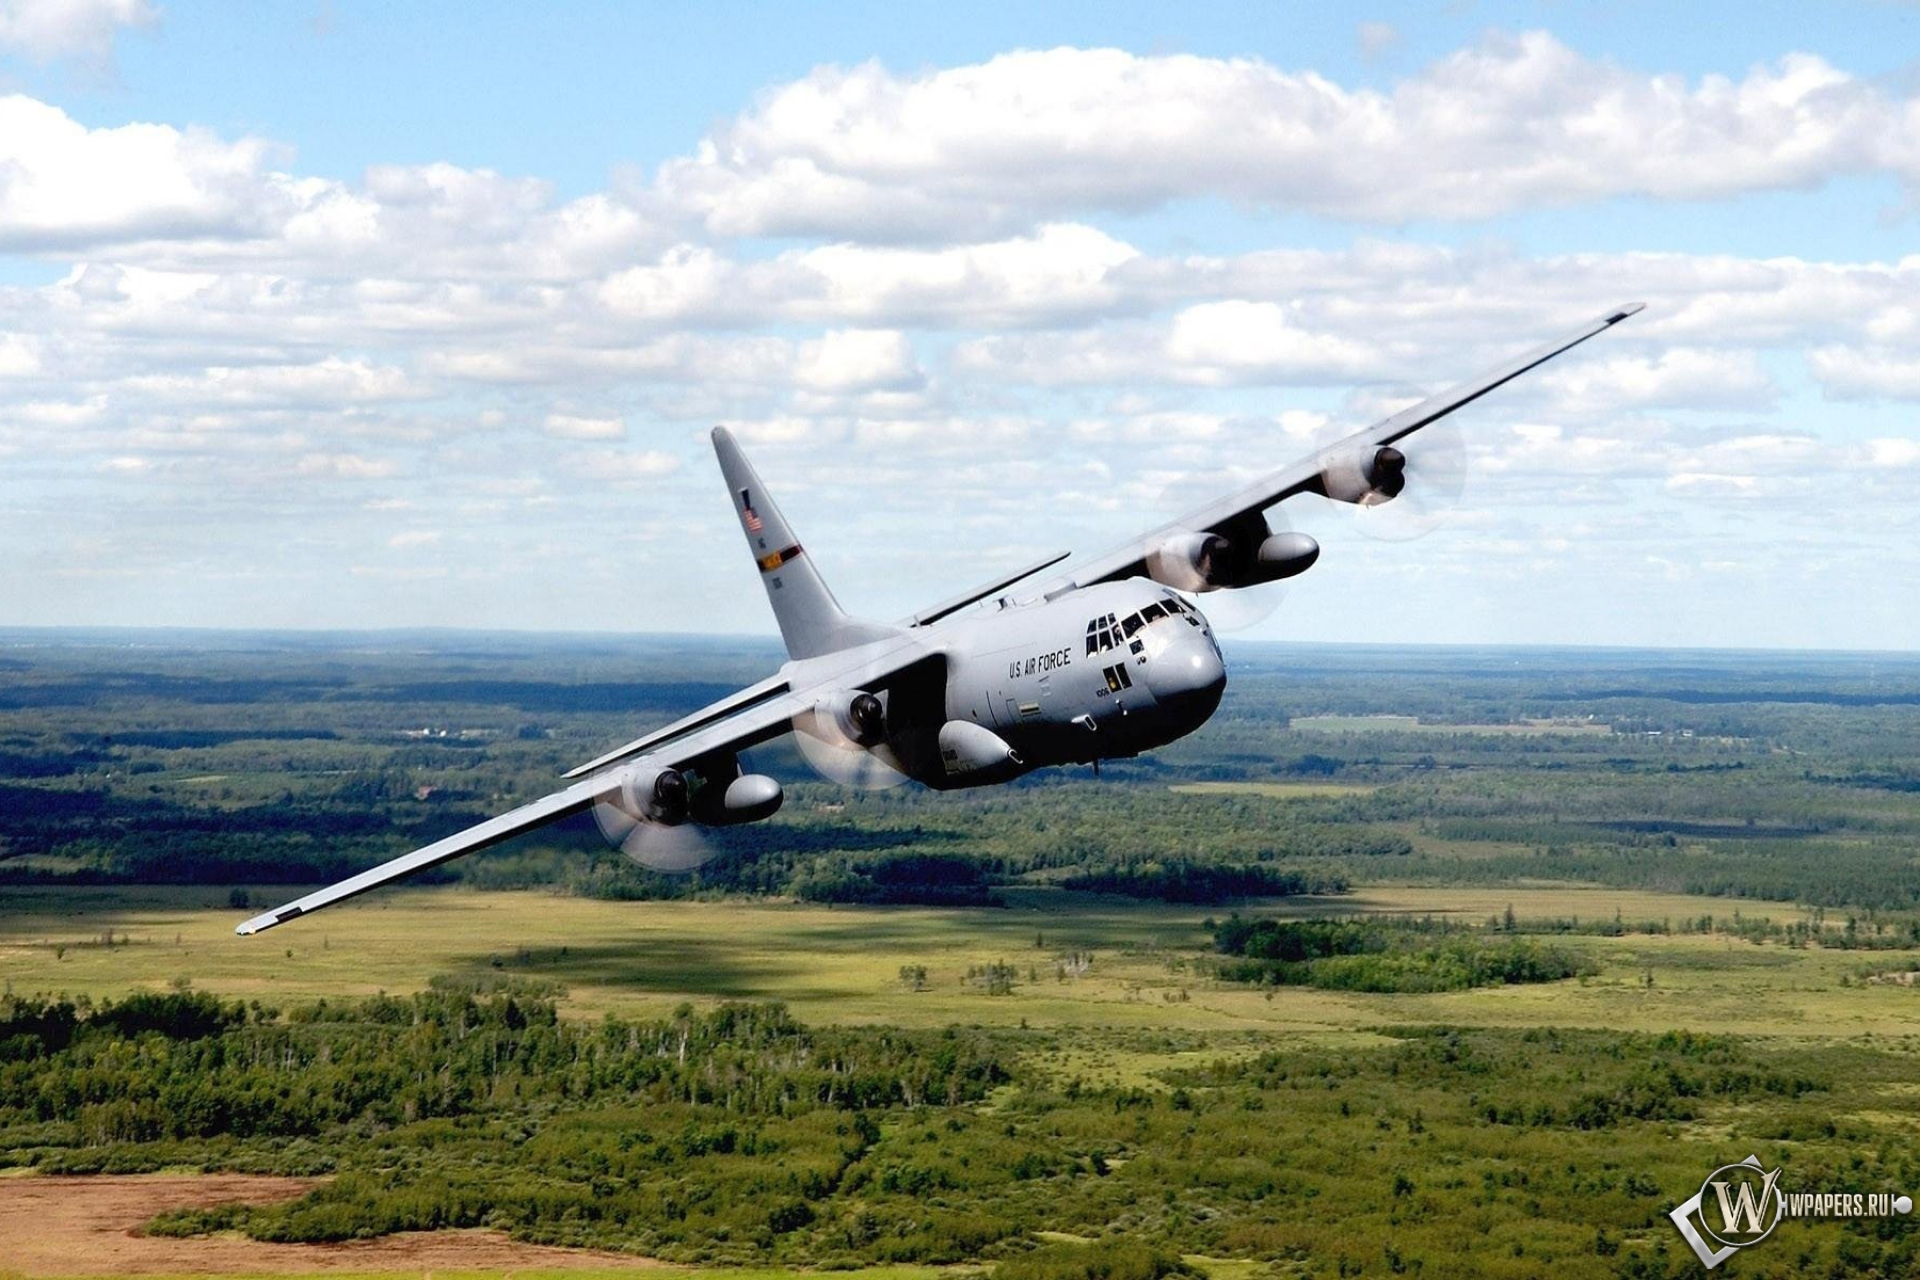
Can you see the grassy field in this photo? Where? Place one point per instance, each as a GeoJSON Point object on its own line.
{"type": "Point", "coordinates": [1149, 969]}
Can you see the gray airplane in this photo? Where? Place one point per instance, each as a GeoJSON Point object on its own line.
{"type": "Point", "coordinates": [1107, 660]}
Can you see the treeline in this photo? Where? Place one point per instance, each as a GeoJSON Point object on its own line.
{"type": "Point", "coordinates": [1882, 876]}
{"type": "Point", "coordinates": [898, 877]}
{"type": "Point", "coordinates": [1193, 881]}
{"type": "Point", "coordinates": [156, 1068]}
{"type": "Point", "coordinates": [1371, 955]}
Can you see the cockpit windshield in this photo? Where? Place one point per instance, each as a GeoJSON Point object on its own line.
{"type": "Point", "coordinates": [1111, 631]}
{"type": "Point", "coordinates": [1102, 634]}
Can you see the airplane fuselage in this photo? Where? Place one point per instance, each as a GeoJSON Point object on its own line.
{"type": "Point", "coordinates": [1087, 676]}
{"type": "Point", "coordinates": [1096, 673]}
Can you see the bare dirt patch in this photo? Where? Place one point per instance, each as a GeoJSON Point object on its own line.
{"type": "Point", "coordinates": [62, 1226]}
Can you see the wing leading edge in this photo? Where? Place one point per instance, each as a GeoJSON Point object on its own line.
{"type": "Point", "coordinates": [746, 727]}
{"type": "Point", "coordinates": [1129, 560]}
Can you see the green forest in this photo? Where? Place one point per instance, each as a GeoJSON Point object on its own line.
{"type": "Point", "coordinates": [740, 1136]}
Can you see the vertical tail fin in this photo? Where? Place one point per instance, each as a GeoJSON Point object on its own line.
{"type": "Point", "coordinates": [811, 620]}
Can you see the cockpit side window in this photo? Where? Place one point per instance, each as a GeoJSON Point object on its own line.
{"type": "Point", "coordinates": [1131, 625]}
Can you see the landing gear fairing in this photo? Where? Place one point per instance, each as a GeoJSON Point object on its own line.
{"type": "Point", "coordinates": [1101, 661]}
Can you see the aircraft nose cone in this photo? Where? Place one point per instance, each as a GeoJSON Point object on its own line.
{"type": "Point", "coordinates": [1188, 680]}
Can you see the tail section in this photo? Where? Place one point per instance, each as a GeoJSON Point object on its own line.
{"type": "Point", "coordinates": [811, 620]}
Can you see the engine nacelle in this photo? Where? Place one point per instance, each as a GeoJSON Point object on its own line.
{"type": "Point", "coordinates": [748, 798]}
{"type": "Point", "coordinates": [976, 753]}
{"type": "Point", "coordinates": [1364, 478]}
{"type": "Point", "coordinates": [857, 719]}
{"type": "Point", "coordinates": [1212, 562]}
{"type": "Point", "coordinates": [650, 795]}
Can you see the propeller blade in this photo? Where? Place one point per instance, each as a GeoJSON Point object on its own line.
{"type": "Point", "coordinates": [1437, 472]}
{"type": "Point", "coordinates": [1238, 608]}
{"type": "Point", "coordinates": [849, 765]}
{"type": "Point", "coordinates": [653, 845]}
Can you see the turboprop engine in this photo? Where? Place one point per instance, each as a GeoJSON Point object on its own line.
{"type": "Point", "coordinates": [1366, 479]}
{"type": "Point", "coordinates": [856, 719]}
{"type": "Point", "coordinates": [649, 795]}
{"type": "Point", "coordinates": [1238, 557]}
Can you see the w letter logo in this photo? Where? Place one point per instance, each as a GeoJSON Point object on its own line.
{"type": "Point", "coordinates": [1750, 1207]}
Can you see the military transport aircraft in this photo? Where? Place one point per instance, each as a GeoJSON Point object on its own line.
{"type": "Point", "coordinates": [1106, 660]}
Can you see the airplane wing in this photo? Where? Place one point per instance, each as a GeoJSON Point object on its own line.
{"type": "Point", "coordinates": [755, 724]}
{"type": "Point", "coordinates": [1129, 560]}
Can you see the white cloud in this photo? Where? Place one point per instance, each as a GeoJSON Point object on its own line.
{"type": "Point", "coordinates": [66, 184]}
{"type": "Point", "coordinates": [1894, 452]}
{"type": "Point", "coordinates": [257, 332]}
{"type": "Point", "coordinates": [1677, 377]}
{"type": "Point", "coordinates": [565, 426]}
{"type": "Point", "coordinates": [619, 466]}
{"type": "Point", "coordinates": [1852, 373]}
{"type": "Point", "coordinates": [19, 355]}
{"type": "Point", "coordinates": [344, 466]}
{"type": "Point", "coordinates": [845, 360]}
{"type": "Point", "coordinates": [48, 29]}
{"type": "Point", "coordinates": [1250, 340]}
{"type": "Point", "coordinates": [329, 383]}
{"type": "Point", "coordinates": [1515, 122]}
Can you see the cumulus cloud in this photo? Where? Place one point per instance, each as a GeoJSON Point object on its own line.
{"type": "Point", "coordinates": [188, 199]}
{"type": "Point", "coordinates": [331, 382]}
{"type": "Point", "coordinates": [1677, 377]}
{"type": "Point", "coordinates": [857, 360]}
{"type": "Point", "coordinates": [227, 326]}
{"type": "Point", "coordinates": [82, 29]}
{"type": "Point", "coordinates": [68, 185]}
{"type": "Point", "coordinates": [1515, 122]}
{"type": "Point", "coordinates": [1869, 373]}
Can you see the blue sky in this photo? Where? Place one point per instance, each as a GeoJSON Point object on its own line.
{"type": "Point", "coordinates": [353, 315]}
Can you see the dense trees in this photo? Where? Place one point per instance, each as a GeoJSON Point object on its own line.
{"type": "Point", "coordinates": [1378, 955]}
{"type": "Point", "coordinates": [740, 1136]}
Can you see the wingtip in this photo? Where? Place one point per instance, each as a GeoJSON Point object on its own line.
{"type": "Point", "coordinates": [1621, 313]}
{"type": "Point", "coordinates": [720, 435]}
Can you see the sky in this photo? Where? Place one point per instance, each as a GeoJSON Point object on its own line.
{"type": "Point", "coordinates": [348, 316]}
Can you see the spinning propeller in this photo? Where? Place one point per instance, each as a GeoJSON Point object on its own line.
{"type": "Point", "coordinates": [643, 814]}
{"type": "Point", "coordinates": [847, 742]}
{"type": "Point", "coordinates": [1433, 474]}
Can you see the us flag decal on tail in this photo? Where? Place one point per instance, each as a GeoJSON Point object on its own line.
{"type": "Point", "coordinates": [747, 512]}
